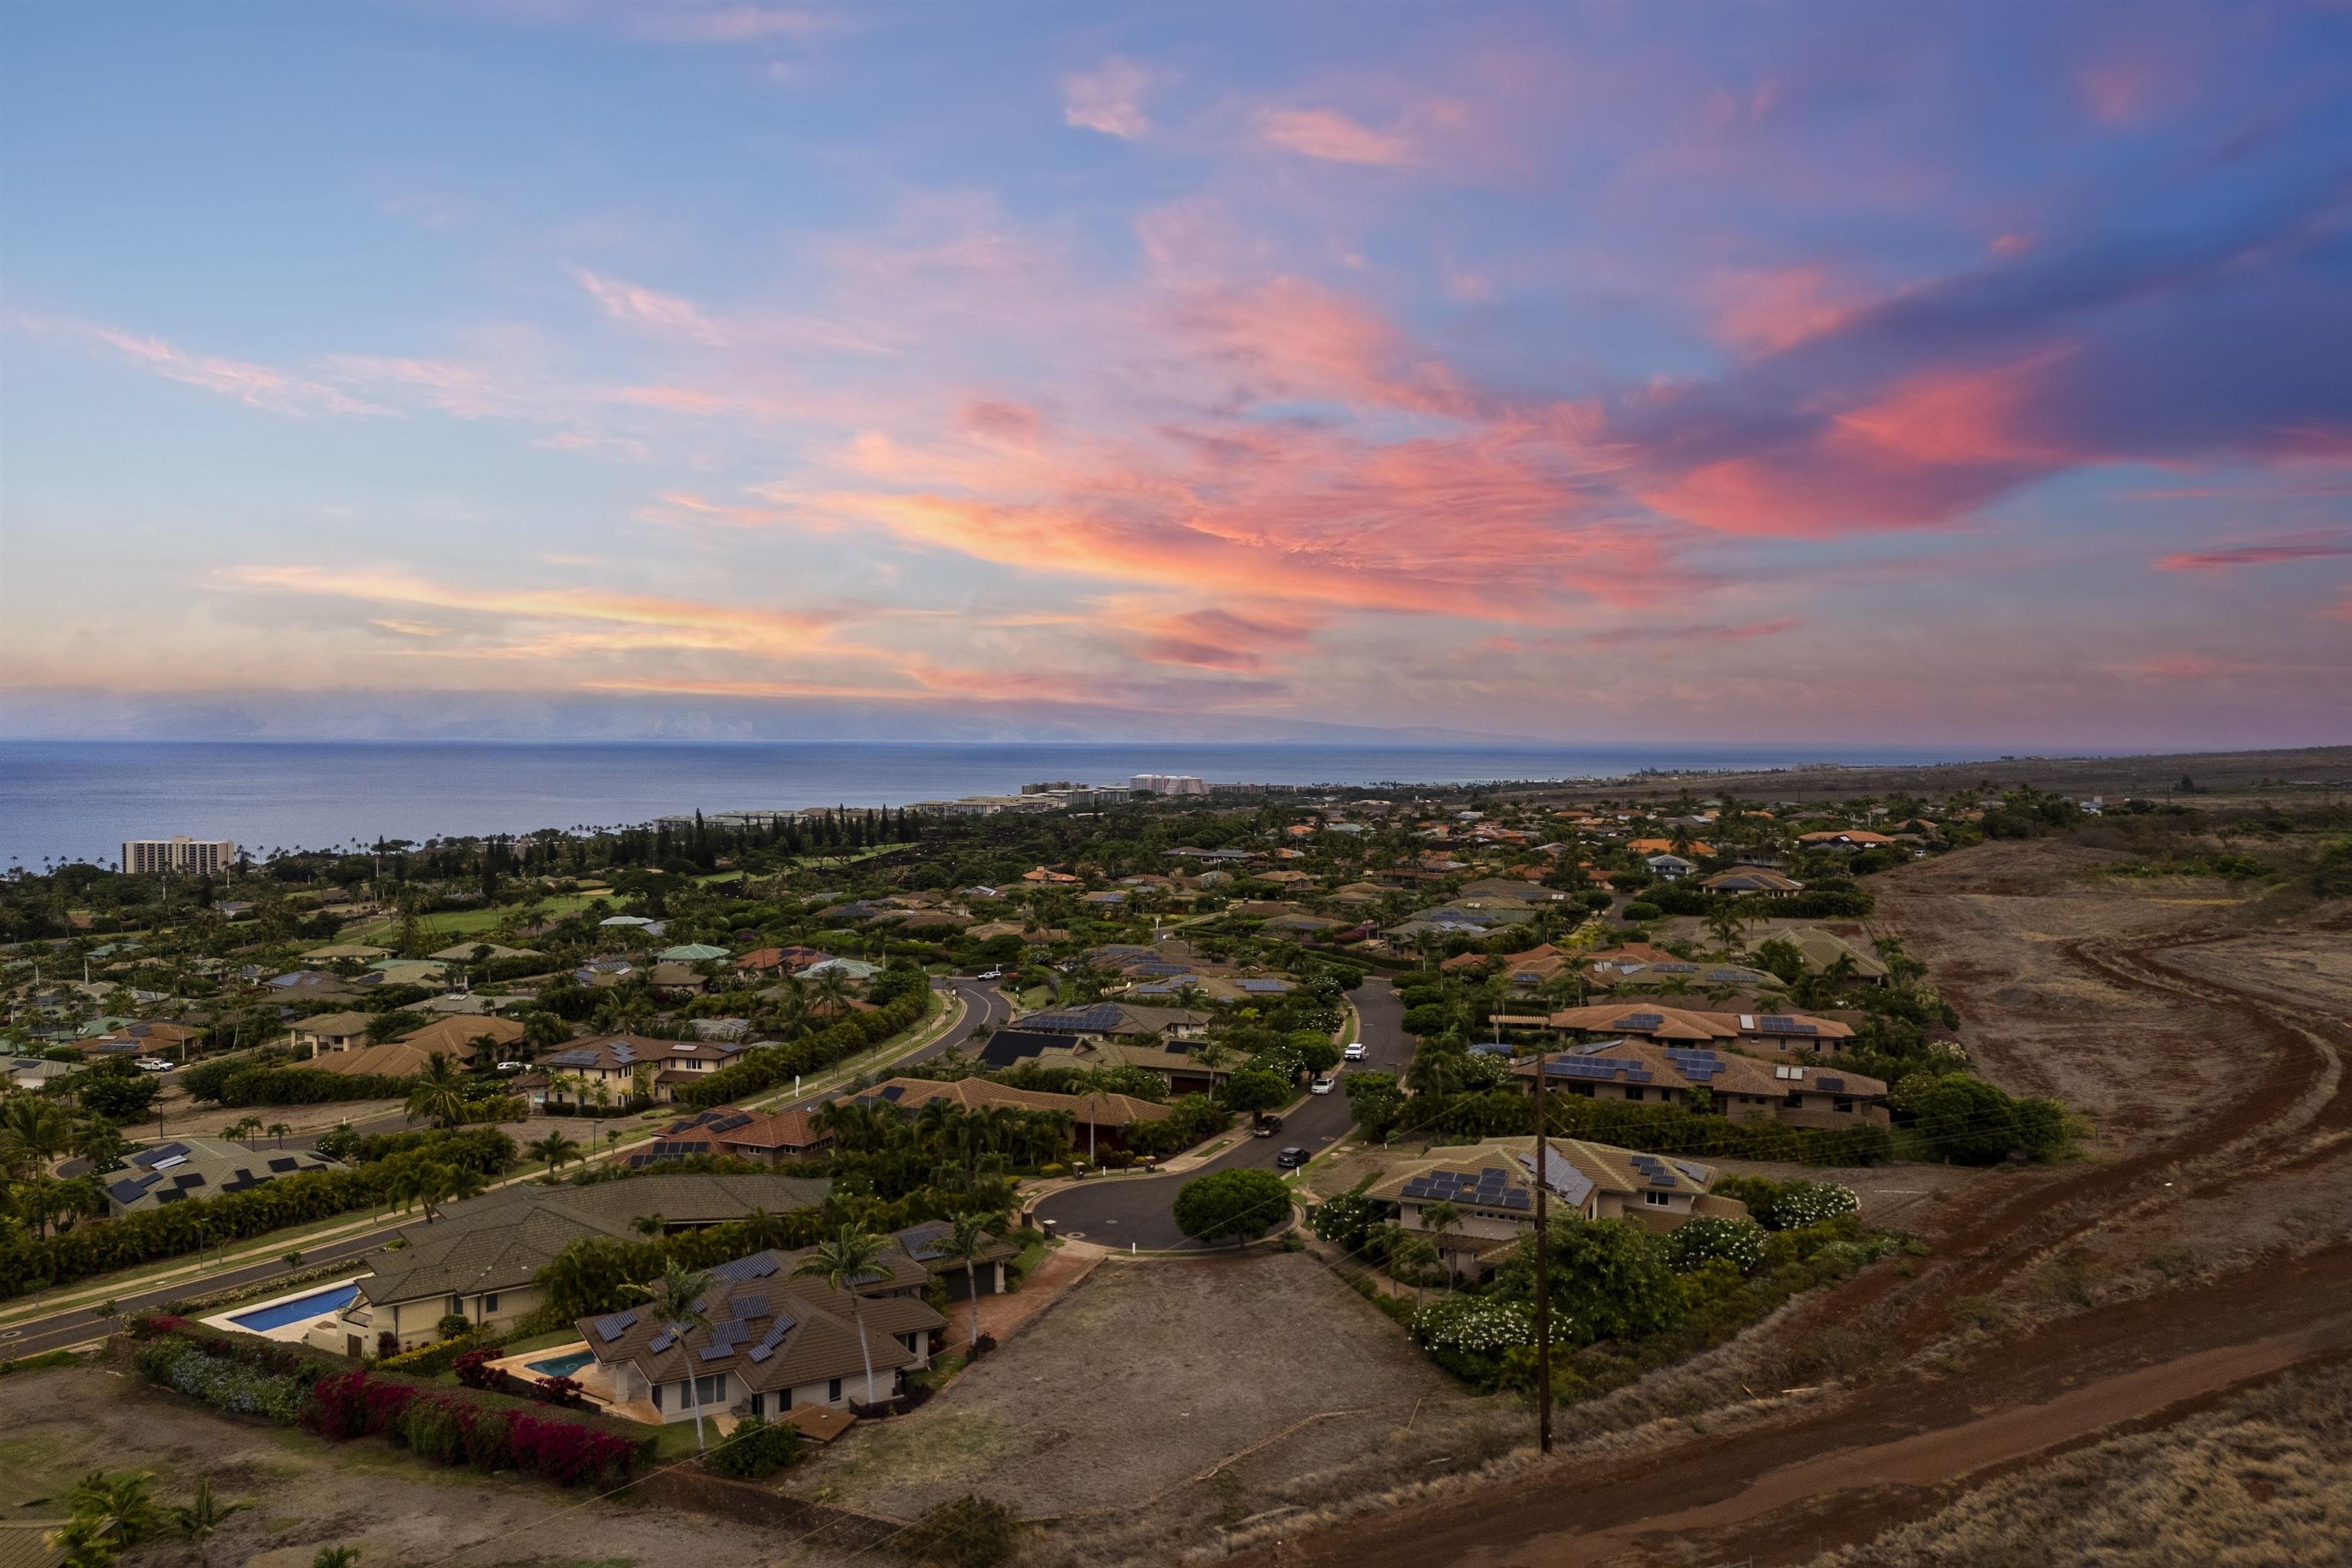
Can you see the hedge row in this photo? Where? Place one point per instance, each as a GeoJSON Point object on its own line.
{"type": "Point", "coordinates": [1665, 1130]}
{"type": "Point", "coordinates": [766, 1067]}
{"type": "Point", "coordinates": [29, 1263]}
{"type": "Point", "coordinates": [283, 1386]}
{"type": "Point", "coordinates": [306, 1086]}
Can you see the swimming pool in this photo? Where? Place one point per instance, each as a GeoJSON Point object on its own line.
{"type": "Point", "coordinates": [278, 1314]}
{"type": "Point", "coordinates": [562, 1365]}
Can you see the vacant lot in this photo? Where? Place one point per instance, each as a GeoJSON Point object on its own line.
{"type": "Point", "coordinates": [1148, 1374]}
{"type": "Point", "coordinates": [296, 1493]}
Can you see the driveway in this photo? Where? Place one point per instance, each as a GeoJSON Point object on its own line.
{"type": "Point", "coordinates": [1115, 1211]}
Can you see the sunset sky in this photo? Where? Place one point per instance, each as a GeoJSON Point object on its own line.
{"type": "Point", "coordinates": [1904, 374]}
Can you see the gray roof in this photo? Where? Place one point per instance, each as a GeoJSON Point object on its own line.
{"type": "Point", "coordinates": [202, 1168]}
{"type": "Point", "coordinates": [501, 1240]}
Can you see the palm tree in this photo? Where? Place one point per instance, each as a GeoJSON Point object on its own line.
{"type": "Point", "coordinates": [555, 1149]}
{"type": "Point", "coordinates": [440, 1093]}
{"type": "Point", "coordinates": [278, 1129]}
{"type": "Point", "coordinates": [32, 1132]}
{"type": "Point", "coordinates": [335, 1557]}
{"type": "Point", "coordinates": [849, 1257]}
{"type": "Point", "coordinates": [676, 1301]}
{"type": "Point", "coordinates": [1438, 1219]}
{"type": "Point", "coordinates": [119, 1506]}
{"type": "Point", "coordinates": [199, 1517]}
{"type": "Point", "coordinates": [966, 1239]}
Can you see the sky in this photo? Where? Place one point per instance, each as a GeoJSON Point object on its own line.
{"type": "Point", "coordinates": [1810, 374]}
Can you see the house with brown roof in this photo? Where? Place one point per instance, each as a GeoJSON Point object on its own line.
{"type": "Point", "coordinates": [333, 1031]}
{"type": "Point", "coordinates": [777, 1342]}
{"type": "Point", "coordinates": [1743, 1088]}
{"type": "Point", "coordinates": [778, 1138]}
{"type": "Point", "coordinates": [461, 1037]}
{"type": "Point", "coordinates": [1844, 839]}
{"type": "Point", "coordinates": [154, 1039]}
{"type": "Point", "coordinates": [623, 1065]}
{"type": "Point", "coordinates": [1491, 1186]}
{"type": "Point", "coordinates": [1753, 879]}
{"type": "Point", "coordinates": [780, 960]}
{"type": "Point", "coordinates": [1096, 1119]}
{"type": "Point", "coordinates": [1682, 1025]}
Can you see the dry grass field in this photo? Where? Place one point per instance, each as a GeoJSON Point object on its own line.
{"type": "Point", "coordinates": [2264, 1480]}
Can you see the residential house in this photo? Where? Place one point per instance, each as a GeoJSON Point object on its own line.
{"type": "Point", "coordinates": [776, 1137]}
{"type": "Point", "coordinates": [1491, 1186]}
{"type": "Point", "coordinates": [187, 1168]}
{"type": "Point", "coordinates": [1662, 1025]}
{"type": "Point", "coordinates": [623, 1065]}
{"type": "Point", "coordinates": [481, 1262]}
{"type": "Point", "coordinates": [780, 960]}
{"type": "Point", "coordinates": [32, 1072]}
{"type": "Point", "coordinates": [1742, 1088]}
{"type": "Point", "coordinates": [1111, 1019]}
{"type": "Point", "coordinates": [1669, 868]}
{"type": "Point", "coordinates": [1096, 1120]}
{"type": "Point", "coordinates": [1668, 847]}
{"type": "Point", "coordinates": [1845, 840]}
{"type": "Point", "coordinates": [1627, 975]}
{"type": "Point", "coordinates": [778, 1343]}
{"type": "Point", "coordinates": [1174, 1062]}
{"type": "Point", "coordinates": [333, 1031]}
{"type": "Point", "coordinates": [1824, 951]}
{"type": "Point", "coordinates": [145, 1039]}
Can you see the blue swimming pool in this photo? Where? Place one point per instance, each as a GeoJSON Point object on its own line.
{"type": "Point", "coordinates": [562, 1365]}
{"type": "Point", "coordinates": [278, 1314]}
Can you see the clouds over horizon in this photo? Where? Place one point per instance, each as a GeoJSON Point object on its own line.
{"type": "Point", "coordinates": [1315, 375]}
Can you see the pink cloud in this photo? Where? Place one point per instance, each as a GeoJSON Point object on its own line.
{"type": "Point", "coordinates": [1330, 136]}
{"type": "Point", "coordinates": [1108, 98]}
{"type": "Point", "coordinates": [256, 385]}
{"type": "Point", "coordinates": [1776, 308]}
{"type": "Point", "coordinates": [2268, 554]}
{"type": "Point", "coordinates": [648, 310]}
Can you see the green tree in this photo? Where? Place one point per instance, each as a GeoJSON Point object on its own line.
{"type": "Point", "coordinates": [1438, 1218]}
{"type": "Point", "coordinates": [848, 1258]}
{"type": "Point", "coordinates": [1609, 1281]}
{"type": "Point", "coordinates": [1238, 1204]}
{"type": "Point", "coordinates": [555, 1150]}
{"type": "Point", "coordinates": [198, 1520]}
{"type": "Point", "coordinates": [675, 1300]}
{"type": "Point", "coordinates": [1252, 1090]}
{"type": "Point", "coordinates": [440, 1096]}
{"type": "Point", "coordinates": [336, 1557]}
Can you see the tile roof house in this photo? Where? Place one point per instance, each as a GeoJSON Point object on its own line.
{"type": "Point", "coordinates": [1630, 975]}
{"type": "Point", "coordinates": [774, 1136]}
{"type": "Point", "coordinates": [1684, 1025]}
{"type": "Point", "coordinates": [482, 1260]}
{"type": "Point", "coordinates": [1753, 879]}
{"type": "Point", "coordinates": [616, 1063]}
{"type": "Point", "coordinates": [777, 1342]}
{"type": "Point", "coordinates": [1092, 1116]}
{"type": "Point", "coordinates": [188, 1168]}
{"type": "Point", "coordinates": [143, 1039]}
{"type": "Point", "coordinates": [1742, 1088]}
{"type": "Point", "coordinates": [1491, 1185]}
{"type": "Point", "coordinates": [1113, 1018]}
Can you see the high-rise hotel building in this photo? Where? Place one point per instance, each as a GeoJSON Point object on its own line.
{"type": "Point", "coordinates": [183, 854]}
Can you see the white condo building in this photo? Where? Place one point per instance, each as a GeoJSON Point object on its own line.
{"type": "Point", "coordinates": [184, 854]}
{"type": "Point", "coordinates": [1167, 784]}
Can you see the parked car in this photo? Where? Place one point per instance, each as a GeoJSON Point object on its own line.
{"type": "Point", "coordinates": [1267, 1126]}
{"type": "Point", "coordinates": [990, 974]}
{"type": "Point", "coordinates": [1290, 1159]}
{"type": "Point", "coordinates": [154, 1064]}
{"type": "Point", "coordinates": [510, 1067]}
{"type": "Point", "coordinates": [1355, 1051]}
{"type": "Point", "coordinates": [1322, 1085]}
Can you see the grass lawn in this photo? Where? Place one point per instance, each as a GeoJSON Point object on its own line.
{"type": "Point", "coordinates": [469, 922]}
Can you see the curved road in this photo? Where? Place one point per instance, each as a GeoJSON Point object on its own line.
{"type": "Point", "coordinates": [1115, 1211]}
{"type": "Point", "coordinates": [984, 1006]}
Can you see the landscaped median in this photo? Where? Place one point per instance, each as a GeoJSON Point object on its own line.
{"type": "Point", "coordinates": [241, 1375]}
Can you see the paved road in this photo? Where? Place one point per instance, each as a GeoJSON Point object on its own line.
{"type": "Point", "coordinates": [983, 1006]}
{"type": "Point", "coordinates": [1117, 1210]}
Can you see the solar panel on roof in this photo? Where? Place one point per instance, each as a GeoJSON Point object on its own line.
{"type": "Point", "coordinates": [752, 1304]}
{"type": "Point", "coordinates": [1641, 1020]}
{"type": "Point", "coordinates": [760, 1353]}
{"type": "Point", "coordinates": [663, 1340]}
{"type": "Point", "coordinates": [717, 1353]}
{"type": "Point", "coordinates": [1834, 1085]}
{"type": "Point", "coordinates": [613, 1325]}
{"type": "Point", "coordinates": [730, 1334]}
{"type": "Point", "coordinates": [758, 1266]}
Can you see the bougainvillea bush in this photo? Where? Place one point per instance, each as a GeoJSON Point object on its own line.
{"type": "Point", "coordinates": [453, 1429]}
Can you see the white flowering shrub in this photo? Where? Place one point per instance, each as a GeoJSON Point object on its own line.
{"type": "Point", "coordinates": [1476, 1325]}
{"type": "Point", "coordinates": [1705, 1240]}
{"type": "Point", "coordinates": [1801, 1203]}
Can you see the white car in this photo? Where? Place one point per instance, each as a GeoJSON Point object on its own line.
{"type": "Point", "coordinates": [1322, 1085]}
{"type": "Point", "coordinates": [510, 1067]}
{"type": "Point", "coordinates": [990, 974]}
{"type": "Point", "coordinates": [153, 1064]}
{"type": "Point", "coordinates": [1356, 1052]}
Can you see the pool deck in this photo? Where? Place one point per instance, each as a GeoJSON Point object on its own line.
{"type": "Point", "coordinates": [290, 1333]}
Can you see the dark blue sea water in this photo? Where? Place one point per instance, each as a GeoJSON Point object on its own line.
{"type": "Point", "coordinates": [80, 799]}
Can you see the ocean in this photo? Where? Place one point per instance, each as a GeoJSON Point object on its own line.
{"type": "Point", "coordinates": [79, 800]}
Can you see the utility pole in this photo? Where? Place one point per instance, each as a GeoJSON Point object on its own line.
{"type": "Point", "coordinates": [1543, 1262]}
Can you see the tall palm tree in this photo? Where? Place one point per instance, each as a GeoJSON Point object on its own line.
{"type": "Point", "coordinates": [555, 1149]}
{"type": "Point", "coordinates": [440, 1093]}
{"type": "Point", "coordinates": [846, 1260]}
{"type": "Point", "coordinates": [676, 1301]}
{"type": "Point", "coordinates": [32, 1132]}
{"type": "Point", "coordinates": [968, 1237]}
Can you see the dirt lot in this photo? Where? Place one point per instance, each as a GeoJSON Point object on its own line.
{"type": "Point", "coordinates": [1147, 1375]}
{"type": "Point", "coordinates": [298, 1493]}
